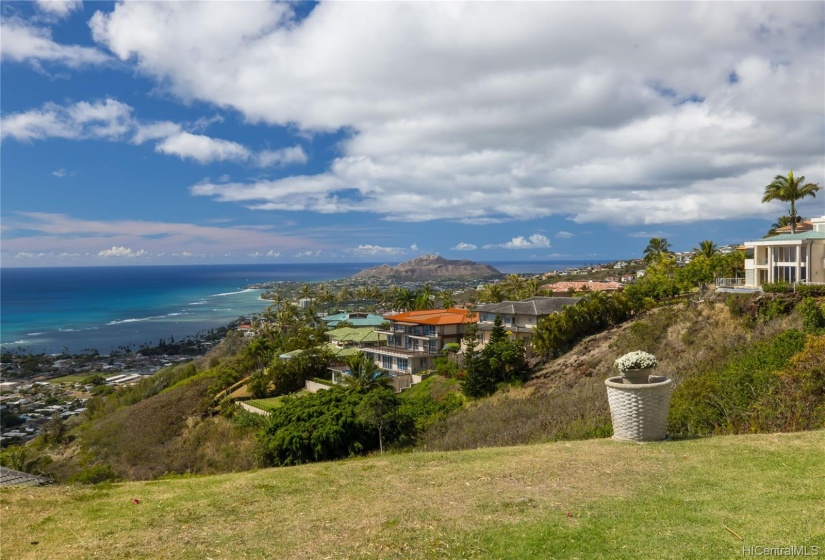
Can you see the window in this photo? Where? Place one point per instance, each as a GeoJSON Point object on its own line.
{"type": "Point", "coordinates": [386, 362]}
{"type": "Point", "coordinates": [784, 254]}
{"type": "Point", "coordinates": [784, 274]}
{"type": "Point", "coordinates": [403, 364]}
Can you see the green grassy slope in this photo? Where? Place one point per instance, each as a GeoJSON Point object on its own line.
{"type": "Point", "coordinates": [582, 499]}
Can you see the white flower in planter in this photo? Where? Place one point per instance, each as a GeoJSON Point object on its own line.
{"type": "Point", "coordinates": [635, 360]}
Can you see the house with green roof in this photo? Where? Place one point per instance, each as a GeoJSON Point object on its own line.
{"type": "Point", "coordinates": [787, 257]}
{"type": "Point", "coordinates": [356, 319]}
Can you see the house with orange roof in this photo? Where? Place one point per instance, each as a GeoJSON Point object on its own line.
{"type": "Point", "coordinates": [415, 339]}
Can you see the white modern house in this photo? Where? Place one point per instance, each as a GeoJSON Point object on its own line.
{"type": "Point", "coordinates": [787, 257]}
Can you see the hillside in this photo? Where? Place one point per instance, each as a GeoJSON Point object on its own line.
{"type": "Point", "coordinates": [585, 499]}
{"type": "Point", "coordinates": [430, 267]}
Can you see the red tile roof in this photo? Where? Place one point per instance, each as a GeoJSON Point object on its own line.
{"type": "Point", "coordinates": [450, 316]}
{"type": "Point", "coordinates": [579, 286]}
{"type": "Point", "coordinates": [804, 225]}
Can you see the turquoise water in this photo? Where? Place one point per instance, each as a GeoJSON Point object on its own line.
{"type": "Point", "coordinates": [75, 309]}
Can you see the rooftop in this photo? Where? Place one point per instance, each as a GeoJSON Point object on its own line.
{"type": "Point", "coordinates": [804, 236]}
{"type": "Point", "coordinates": [451, 316]}
{"type": "Point", "coordinates": [356, 319]}
{"type": "Point", "coordinates": [533, 306]}
{"type": "Point", "coordinates": [589, 285]}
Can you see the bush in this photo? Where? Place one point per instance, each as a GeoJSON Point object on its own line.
{"type": "Point", "coordinates": [813, 317]}
{"type": "Point", "coordinates": [810, 289]}
{"type": "Point", "coordinates": [724, 401]}
{"type": "Point", "coordinates": [94, 475]}
{"type": "Point", "coordinates": [777, 287]}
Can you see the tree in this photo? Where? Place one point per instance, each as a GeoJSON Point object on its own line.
{"type": "Point", "coordinates": [17, 457]}
{"type": "Point", "coordinates": [783, 221]}
{"type": "Point", "coordinates": [404, 299]}
{"type": "Point", "coordinates": [789, 189]}
{"type": "Point", "coordinates": [378, 409]}
{"type": "Point", "coordinates": [706, 248]}
{"type": "Point", "coordinates": [364, 374]}
{"type": "Point", "coordinates": [656, 249]}
{"type": "Point", "coordinates": [491, 293]}
{"type": "Point", "coordinates": [447, 300]}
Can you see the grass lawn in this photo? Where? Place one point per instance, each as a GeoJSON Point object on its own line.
{"type": "Point", "coordinates": [582, 499]}
{"type": "Point", "coordinates": [274, 402]}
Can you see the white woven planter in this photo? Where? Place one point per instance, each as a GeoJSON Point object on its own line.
{"type": "Point", "coordinates": [639, 411]}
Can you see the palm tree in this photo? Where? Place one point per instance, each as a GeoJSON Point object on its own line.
{"type": "Point", "coordinates": [404, 299]}
{"type": "Point", "coordinates": [306, 291]}
{"type": "Point", "coordinates": [364, 374]}
{"type": "Point", "coordinates": [513, 285]}
{"type": "Point", "coordinates": [706, 248]}
{"type": "Point", "coordinates": [656, 248]}
{"type": "Point", "coordinates": [783, 221]}
{"type": "Point", "coordinates": [447, 299]}
{"type": "Point", "coordinates": [491, 293]}
{"type": "Point", "coordinates": [789, 189]}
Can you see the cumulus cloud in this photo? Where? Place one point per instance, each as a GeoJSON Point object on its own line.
{"type": "Point", "coordinates": [564, 235]}
{"type": "Point", "coordinates": [304, 254]}
{"type": "Point", "coordinates": [24, 42]}
{"type": "Point", "coordinates": [535, 241]}
{"type": "Point", "coordinates": [281, 158]}
{"type": "Point", "coordinates": [59, 8]}
{"type": "Point", "coordinates": [270, 253]}
{"type": "Point", "coordinates": [121, 252]}
{"type": "Point", "coordinates": [59, 172]}
{"type": "Point", "coordinates": [202, 149]}
{"type": "Point", "coordinates": [462, 246]}
{"type": "Point", "coordinates": [492, 125]}
{"type": "Point", "coordinates": [378, 250]}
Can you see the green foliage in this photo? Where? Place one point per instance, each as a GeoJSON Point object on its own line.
{"type": "Point", "coordinates": [22, 458]}
{"type": "Point", "coordinates": [814, 290]}
{"type": "Point", "coordinates": [502, 360]}
{"type": "Point", "coordinates": [95, 474]}
{"type": "Point", "coordinates": [445, 367]}
{"type": "Point", "coordinates": [813, 316]}
{"type": "Point", "coordinates": [429, 402]}
{"type": "Point", "coordinates": [378, 409]}
{"type": "Point", "coordinates": [319, 427]}
{"type": "Point", "coordinates": [96, 379]}
{"type": "Point", "coordinates": [287, 376]}
{"type": "Point", "coordinates": [594, 313]}
{"type": "Point", "coordinates": [777, 287]}
{"type": "Point", "coordinates": [723, 401]}
{"type": "Point", "coordinates": [364, 374]}
{"type": "Point", "coordinates": [8, 419]}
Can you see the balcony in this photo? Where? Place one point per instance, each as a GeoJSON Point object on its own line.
{"type": "Point", "coordinates": [401, 352]}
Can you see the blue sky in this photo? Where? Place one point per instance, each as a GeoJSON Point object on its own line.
{"type": "Point", "coordinates": [221, 132]}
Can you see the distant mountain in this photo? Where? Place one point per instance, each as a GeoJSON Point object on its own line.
{"type": "Point", "coordinates": [430, 267]}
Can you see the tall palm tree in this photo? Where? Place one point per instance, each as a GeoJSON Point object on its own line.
{"type": "Point", "coordinates": [656, 248]}
{"type": "Point", "coordinates": [706, 248]}
{"type": "Point", "coordinates": [512, 285]}
{"type": "Point", "coordinates": [491, 293]}
{"type": "Point", "coordinates": [306, 291]}
{"type": "Point", "coordinates": [789, 189]}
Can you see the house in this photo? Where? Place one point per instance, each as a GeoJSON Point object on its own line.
{"type": "Point", "coordinates": [519, 317]}
{"type": "Point", "coordinates": [787, 257]}
{"type": "Point", "coordinates": [415, 339]}
{"type": "Point", "coordinates": [356, 319]}
{"type": "Point", "coordinates": [589, 286]}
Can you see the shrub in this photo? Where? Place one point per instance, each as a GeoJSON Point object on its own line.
{"type": "Point", "coordinates": [813, 317]}
{"type": "Point", "coordinates": [810, 289]}
{"type": "Point", "coordinates": [723, 401]}
{"type": "Point", "coordinates": [94, 475]}
{"type": "Point", "coordinates": [777, 287]}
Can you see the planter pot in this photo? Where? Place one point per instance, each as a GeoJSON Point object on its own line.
{"type": "Point", "coordinates": [636, 376]}
{"type": "Point", "coordinates": [639, 410]}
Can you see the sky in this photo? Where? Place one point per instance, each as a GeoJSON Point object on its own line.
{"type": "Point", "coordinates": [241, 132]}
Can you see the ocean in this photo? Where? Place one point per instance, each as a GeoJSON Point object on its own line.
{"type": "Point", "coordinates": [77, 309]}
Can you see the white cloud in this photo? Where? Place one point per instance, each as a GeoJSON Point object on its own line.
{"type": "Point", "coordinates": [378, 250]}
{"type": "Point", "coordinates": [59, 8]}
{"type": "Point", "coordinates": [481, 124]}
{"type": "Point", "coordinates": [59, 172]}
{"type": "Point", "coordinates": [121, 252]}
{"type": "Point", "coordinates": [535, 241]}
{"type": "Point", "coordinates": [414, 247]}
{"type": "Point", "coordinates": [564, 235]}
{"type": "Point", "coordinates": [155, 131]}
{"type": "Point", "coordinates": [23, 42]}
{"type": "Point", "coordinates": [35, 232]}
{"type": "Point", "coordinates": [281, 158]}
{"type": "Point", "coordinates": [202, 149]}
{"type": "Point", "coordinates": [108, 119]}
{"type": "Point", "coordinates": [465, 247]}
{"type": "Point", "coordinates": [304, 254]}
{"type": "Point", "coordinates": [271, 253]}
